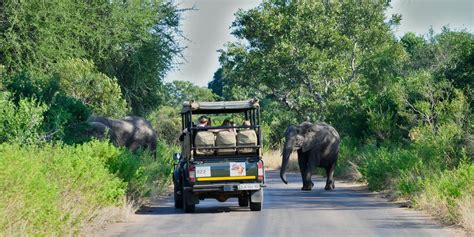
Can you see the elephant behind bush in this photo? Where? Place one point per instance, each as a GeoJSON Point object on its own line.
{"type": "Point", "coordinates": [131, 132]}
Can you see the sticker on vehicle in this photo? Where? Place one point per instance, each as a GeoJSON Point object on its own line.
{"type": "Point", "coordinates": [203, 171]}
{"type": "Point", "coordinates": [237, 169]}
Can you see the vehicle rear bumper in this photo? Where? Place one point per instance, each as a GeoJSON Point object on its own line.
{"type": "Point", "coordinates": [227, 187]}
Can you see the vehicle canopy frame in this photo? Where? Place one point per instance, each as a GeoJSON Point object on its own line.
{"type": "Point", "coordinates": [250, 109]}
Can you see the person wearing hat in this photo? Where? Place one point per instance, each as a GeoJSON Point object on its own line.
{"type": "Point", "coordinates": [203, 121]}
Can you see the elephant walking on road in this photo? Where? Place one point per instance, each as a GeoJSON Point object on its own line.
{"type": "Point", "coordinates": [132, 132]}
{"type": "Point", "coordinates": [317, 146]}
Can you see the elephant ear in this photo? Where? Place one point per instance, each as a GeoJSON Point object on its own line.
{"type": "Point", "coordinates": [98, 126]}
{"type": "Point", "coordinates": [100, 129]}
{"type": "Point", "coordinates": [310, 140]}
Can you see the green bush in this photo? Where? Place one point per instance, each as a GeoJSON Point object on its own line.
{"type": "Point", "coordinates": [80, 79]}
{"type": "Point", "coordinates": [450, 196]}
{"type": "Point", "coordinates": [348, 159]}
{"type": "Point", "coordinates": [22, 122]}
{"type": "Point", "coordinates": [143, 174]}
{"type": "Point", "coordinates": [58, 189]}
{"type": "Point", "coordinates": [53, 189]}
{"type": "Point", "coordinates": [167, 123]}
{"type": "Point", "coordinates": [65, 116]}
{"type": "Point", "coordinates": [384, 165]}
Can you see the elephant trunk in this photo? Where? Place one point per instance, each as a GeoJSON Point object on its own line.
{"type": "Point", "coordinates": [284, 164]}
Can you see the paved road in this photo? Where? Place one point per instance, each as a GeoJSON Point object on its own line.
{"type": "Point", "coordinates": [287, 211]}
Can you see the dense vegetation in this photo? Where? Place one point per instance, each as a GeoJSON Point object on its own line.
{"type": "Point", "coordinates": [55, 189]}
{"type": "Point", "coordinates": [402, 105]}
{"type": "Point", "coordinates": [61, 61]}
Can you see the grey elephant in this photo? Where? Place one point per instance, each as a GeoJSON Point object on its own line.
{"type": "Point", "coordinates": [317, 146]}
{"type": "Point", "coordinates": [132, 132]}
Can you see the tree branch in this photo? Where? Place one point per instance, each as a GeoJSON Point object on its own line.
{"type": "Point", "coordinates": [353, 63]}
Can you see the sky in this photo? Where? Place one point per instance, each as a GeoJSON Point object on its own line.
{"type": "Point", "coordinates": [207, 28]}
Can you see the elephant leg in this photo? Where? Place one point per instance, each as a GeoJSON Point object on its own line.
{"type": "Point", "coordinates": [330, 177]}
{"type": "Point", "coordinates": [302, 160]}
{"type": "Point", "coordinates": [312, 158]}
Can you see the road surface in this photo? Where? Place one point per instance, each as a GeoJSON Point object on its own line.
{"type": "Point", "coordinates": [349, 210]}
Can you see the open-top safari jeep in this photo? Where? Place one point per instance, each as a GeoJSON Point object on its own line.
{"type": "Point", "coordinates": [220, 162]}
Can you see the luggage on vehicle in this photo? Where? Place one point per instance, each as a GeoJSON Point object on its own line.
{"type": "Point", "coordinates": [246, 138]}
{"type": "Point", "coordinates": [203, 140]}
{"type": "Point", "coordinates": [226, 139]}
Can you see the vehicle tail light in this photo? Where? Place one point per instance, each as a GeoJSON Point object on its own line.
{"type": "Point", "coordinates": [260, 170]}
{"type": "Point", "coordinates": [192, 173]}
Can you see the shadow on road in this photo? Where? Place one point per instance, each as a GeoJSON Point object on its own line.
{"type": "Point", "coordinates": [205, 207]}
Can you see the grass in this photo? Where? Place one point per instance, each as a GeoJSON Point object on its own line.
{"type": "Point", "coordinates": [66, 190]}
{"type": "Point", "coordinates": [449, 196]}
{"type": "Point", "coordinates": [424, 175]}
{"type": "Point", "coordinates": [272, 160]}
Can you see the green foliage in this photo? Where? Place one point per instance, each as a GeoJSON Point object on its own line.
{"type": "Point", "coordinates": [64, 117]}
{"type": "Point", "coordinates": [55, 189]}
{"type": "Point", "coordinates": [217, 84]}
{"type": "Point", "coordinates": [300, 53]}
{"type": "Point", "coordinates": [59, 189]}
{"type": "Point", "coordinates": [167, 119]}
{"type": "Point", "coordinates": [449, 194]}
{"type": "Point", "coordinates": [133, 41]}
{"type": "Point", "coordinates": [386, 165]}
{"type": "Point", "coordinates": [80, 79]}
{"type": "Point", "coordinates": [21, 123]}
{"type": "Point", "coordinates": [181, 91]}
{"type": "Point", "coordinates": [167, 123]}
{"type": "Point", "coordinates": [429, 173]}
{"type": "Point", "coordinates": [448, 55]}
{"type": "Point", "coordinates": [276, 119]}
{"type": "Point", "coordinates": [349, 159]}
{"type": "Point", "coordinates": [422, 100]}
{"type": "Point", "coordinates": [144, 175]}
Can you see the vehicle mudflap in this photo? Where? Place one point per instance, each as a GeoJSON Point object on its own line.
{"type": "Point", "coordinates": [256, 196]}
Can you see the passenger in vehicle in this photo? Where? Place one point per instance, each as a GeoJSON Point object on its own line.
{"type": "Point", "coordinates": [203, 123]}
{"type": "Point", "coordinates": [247, 125]}
{"type": "Point", "coordinates": [228, 123]}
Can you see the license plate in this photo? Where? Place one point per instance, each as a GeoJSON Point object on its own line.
{"type": "Point", "coordinates": [249, 186]}
{"type": "Point", "coordinates": [203, 171]}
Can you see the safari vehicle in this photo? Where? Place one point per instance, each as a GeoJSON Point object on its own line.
{"type": "Point", "coordinates": [220, 162]}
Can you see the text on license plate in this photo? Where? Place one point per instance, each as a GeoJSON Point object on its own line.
{"type": "Point", "coordinates": [249, 186]}
{"type": "Point", "coordinates": [203, 171]}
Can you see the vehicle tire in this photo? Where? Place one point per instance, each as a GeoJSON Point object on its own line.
{"type": "Point", "coordinates": [188, 208]}
{"type": "Point", "coordinates": [243, 201]}
{"type": "Point", "coordinates": [256, 206]}
{"type": "Point", "coordinates": [178, 198]}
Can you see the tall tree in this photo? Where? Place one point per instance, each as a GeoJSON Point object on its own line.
{"type": "Point", "coordinates": [133, 41]}
{"type": "Point", "coordinates": [306, 54]}
{"type": "Point", "coordinates": [180, 91]}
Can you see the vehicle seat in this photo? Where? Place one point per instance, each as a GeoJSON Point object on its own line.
{"type": "Point", "coordinates": [204, 139]}
{"type": "Point", "coordinates": [246, 138]}
{"type": "Point", "coordinates": [226, 139]}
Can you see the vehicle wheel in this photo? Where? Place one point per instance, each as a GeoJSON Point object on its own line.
{"type": "Point", "coordinates": [256, 206]}
{"type": "Point", "coordinates": [243, 201]}
{"type": "Point", "coordinates": [178, 198]}
{"type": "Point", "coordinates": [188, 208]}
